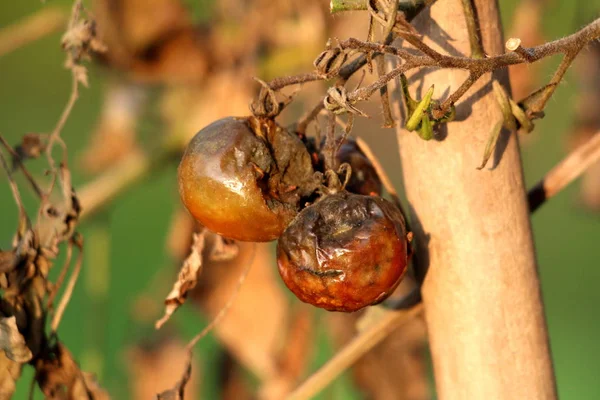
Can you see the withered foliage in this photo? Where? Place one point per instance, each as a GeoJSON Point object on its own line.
{"type": "Point", "coordinates": [28, 299]}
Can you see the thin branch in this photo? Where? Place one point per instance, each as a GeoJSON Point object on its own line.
{"type": "Point", "coordinates": [17, 159]}
{"type": "Point", "coordinates": [535, 103]}
{"type": "Point", "coordinates": [223, 311]}
{"type": "Point", "coordinates": [61, 277]}
{"type": "Point", "coordinates": [15, 191]}
{"type": "Point", "coordinates": [454, 97]}
{"type": "Point", "coordinates": [55, 135]}
{"type": "Point", "coordinates": [569, 45]}
{"type": "Point", "coordinates": [473, 28]}
{"type": "Point", "coordinates": [565, 172]}
{"type": "Point", "coordinates": [354, 350]}
{"type": "Point", "coordinates": [388, 121]}
{"type": "Point", "coordinates": [64, 301]}
{"type": "Point", "coordinates": [281, 82]}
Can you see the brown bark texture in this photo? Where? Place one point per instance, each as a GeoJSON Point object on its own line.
{"type": "Point", "coordinates": [484, 310]}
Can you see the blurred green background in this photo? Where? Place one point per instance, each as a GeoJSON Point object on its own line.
{"type": "Point", "coordinates": [126, 241]}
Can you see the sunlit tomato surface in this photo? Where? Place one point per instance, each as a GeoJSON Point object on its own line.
{"type": "Point", "coordinates": [223, 182]}
{"type": "Point", "coordinates": [344, 252]}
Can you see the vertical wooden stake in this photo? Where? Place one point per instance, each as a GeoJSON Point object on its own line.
{"type": "Point", "coordinates": [482, 296]}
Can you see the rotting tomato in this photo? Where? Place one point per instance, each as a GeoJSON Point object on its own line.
{"type": "Point", "coordinates": [244, 178]}
{"type": "Point", "coordinates": [344, 252]}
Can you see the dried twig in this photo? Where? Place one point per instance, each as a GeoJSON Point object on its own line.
{"type": "Point", "coordinates": [361, 344]}
{"type": "Point", "coordinates": [565, 172]}
{"type": "Point", "coordinates": [186, 280]}
{"type": "Point", "coordinates": [64, 301]}
{"type": "Point", "coordinates": [473, 28]}
{"type": "Point", "coordinates": [223, 311]}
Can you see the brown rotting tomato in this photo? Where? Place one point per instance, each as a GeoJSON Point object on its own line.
{"type": "Point", "coordinates": [344, 252]}
{"type": "Point", "coordinates": [244, 178]}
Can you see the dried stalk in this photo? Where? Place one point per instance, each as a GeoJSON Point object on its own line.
{"type": "Point", "coordinates": [364, 342]}
{"type": "Point", "coordinates": [565, 172]}
{"type": "Point", "coordinates": [481, 292]}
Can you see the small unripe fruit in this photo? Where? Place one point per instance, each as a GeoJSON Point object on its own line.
{"type": "Point", "coordinates": [243, 178]}
{"type": "Point", "coordinates": [344, 252]}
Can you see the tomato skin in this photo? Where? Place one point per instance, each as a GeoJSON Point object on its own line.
{"type": "Point", "coordinates": [344, 252]}
{"type": "Point", "coordinates": [223, 183]}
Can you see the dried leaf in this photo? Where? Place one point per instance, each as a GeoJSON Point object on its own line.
{"type": "Point", "coordinates": [31, 146]}
{"type": "Point", "coordinates": [80, 41]}
{"type": "Point", "coordinates": [10, 371]}
{"type": "Point", "coordinates": [188, 276]}
{"type": "Point", "coordinates": [12, 342]}
{"type": "Point", "coordinates": [59, 377]}
{"type": "Point", "coordinates": [8, 261]}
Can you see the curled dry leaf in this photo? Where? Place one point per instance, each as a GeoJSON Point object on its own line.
{"type": "Point", "coordinates": [59, 377]}
{"type": "Point", "coordinates": [12, 342]}
{"type": "Point", "coordinates": [31, 146]}
{"type": "Point", "coordinates": [188, 276]}
{"type": "Point", "coordinates": [8, 260]}
{"type": "Point", "coordinates": [10, 371]}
